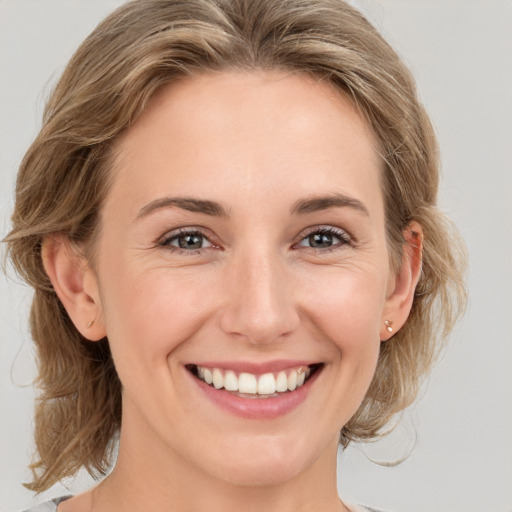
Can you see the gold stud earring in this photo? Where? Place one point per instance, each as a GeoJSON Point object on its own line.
{"type": "Point", "coordinates": [388, 325]}
{"type": "Point", "coordinates": [90, 323]}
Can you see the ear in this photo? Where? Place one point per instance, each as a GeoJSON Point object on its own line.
{"type": "Point", "coordinates": [402, 285]}
{"type": "Point", "coordinates": [76, 285]}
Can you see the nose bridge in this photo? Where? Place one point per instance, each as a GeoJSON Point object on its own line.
{"type": "Point", "coordinates": [260, 304]}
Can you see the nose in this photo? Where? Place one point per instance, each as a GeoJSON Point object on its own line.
{"type": "Point", "coordinates": [260, 307]}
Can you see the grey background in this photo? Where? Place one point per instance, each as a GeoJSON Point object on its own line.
{"type": "Point", "coordinates": [461, 54]}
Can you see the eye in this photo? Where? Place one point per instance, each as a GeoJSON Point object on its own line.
{"type": "Point", "coordinates": [325, 238]}
{"type": "Point", "coordinates": [187, 240]}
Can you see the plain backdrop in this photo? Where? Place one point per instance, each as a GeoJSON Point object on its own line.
{"type": "Point", "coordinates": [461, 428]}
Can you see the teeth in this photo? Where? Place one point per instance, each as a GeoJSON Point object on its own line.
{"type": "Point", "coordinates": [208, 377]}
{"type": "Point", "coordinates": [266, 384]}
{"type": "Point", "coordinates": [247, 383]}
{"type": "Point", "coordinates": [292, 381]}
{"type": "Point", "coordinates": [218, 379]}
{"type": "Point", "coordinates": [231, 381]}
{"type": "Point", "coordinates": [281, 382]}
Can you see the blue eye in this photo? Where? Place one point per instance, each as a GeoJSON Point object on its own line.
{"type": "Point", "coordinates": [325, 238]}
{"type": "Point", "coordinates": [187, 241]}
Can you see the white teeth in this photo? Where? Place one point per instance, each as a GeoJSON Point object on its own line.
{"type": "Point", "coordinates": [208, 377]}
{"type": "Point", "coordinates": [249, 384]}
{"type": "Point", "coordinates": [231, 381]}
{"type": "Point", "coordinates": [218, 379]}
{"type": "Point", "coordinates": [266, 384]}
{"type": "Point", "coordinates": [292, 381]}
{"type": "Point", "coordinates": [281, 382]}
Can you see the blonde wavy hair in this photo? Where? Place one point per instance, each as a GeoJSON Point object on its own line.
{"type": "Point", "coordinates": [64, 179]}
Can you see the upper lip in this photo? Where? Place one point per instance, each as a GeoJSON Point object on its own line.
{"type": "Point", "coordinates": [256, 368]}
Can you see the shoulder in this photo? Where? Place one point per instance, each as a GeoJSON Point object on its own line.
{"type": "Point", "coordinates": [51, 506]}
{"type": "Point", "coordinates": [361, 508]}
{"type": "Point", "coordinates": [47, 506]}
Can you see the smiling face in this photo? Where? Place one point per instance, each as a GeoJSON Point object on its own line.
{"type": "Point", "coordinates": [243, 242]}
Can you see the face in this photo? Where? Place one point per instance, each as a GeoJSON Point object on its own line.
{"type": "Point", "coordinates": [243, 242]}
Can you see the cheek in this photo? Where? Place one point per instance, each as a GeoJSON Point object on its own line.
{"type": "Point", "coordinates": [150, 311]}
{"type": "Point", "coordinates": [346, 313]}
{"type": "Point", "coordinates": [347, 306]}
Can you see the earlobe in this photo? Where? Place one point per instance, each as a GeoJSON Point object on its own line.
{"type": "Point", "coordinates": [400, 299]}
{"type": "Point", "coordinates": [75, 284]}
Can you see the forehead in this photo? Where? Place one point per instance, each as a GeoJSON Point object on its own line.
{"type": "Point", "coordinates": [261, 131]}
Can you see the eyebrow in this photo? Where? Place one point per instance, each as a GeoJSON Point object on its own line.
{"type": "Point", "coordinates": [212, 208]}
{"type": "Point", "coordinates": [185, 203]}
{"type": "Point", "coordinates": [319, 203]}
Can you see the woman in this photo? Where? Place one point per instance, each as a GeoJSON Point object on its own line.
{"type": "Point", "coordinates": [229, 220]}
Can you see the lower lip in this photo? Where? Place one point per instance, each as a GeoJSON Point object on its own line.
{"type": "Point", "coordinates": [257, 408]}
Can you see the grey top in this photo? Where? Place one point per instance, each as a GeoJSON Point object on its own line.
{"type": "Point", "coordinates": [47, 506]}
{"type": "Point", "coordinates": [51, 506]}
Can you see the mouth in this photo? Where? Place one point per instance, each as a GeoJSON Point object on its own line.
{"type": "Point", "coordinates": [255, 386]}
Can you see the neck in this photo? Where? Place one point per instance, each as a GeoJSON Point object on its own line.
{"type": "Point", "coordinates": [145, 474]}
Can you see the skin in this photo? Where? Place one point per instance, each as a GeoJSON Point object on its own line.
{"type": "Point", "coordinates": [256, 143]}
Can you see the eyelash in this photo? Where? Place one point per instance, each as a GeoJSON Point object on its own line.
{"type": "Point", "coordinates": [166, 242]}
{"type": "Point", "coordinates": [343, 237]}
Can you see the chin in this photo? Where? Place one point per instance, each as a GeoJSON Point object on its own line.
{"type": "Point", "coordinates": [265, 463]}
{"type": "Point", "coordinates": [266, 474]}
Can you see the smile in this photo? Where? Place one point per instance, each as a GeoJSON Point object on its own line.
{"type": "Point", "coordinates": [250, 385]}
{"type": "Point", "coordinates": [255, 391]}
